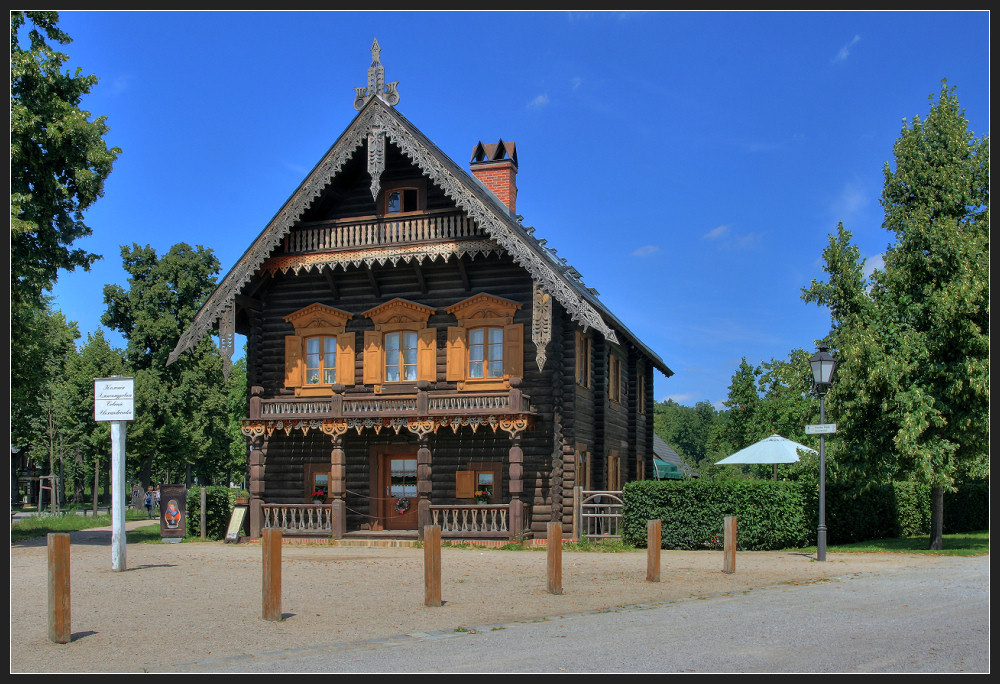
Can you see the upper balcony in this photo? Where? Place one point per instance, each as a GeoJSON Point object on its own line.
{"type": "Point", "coordinates": [367, 232]}
{"type": "Point", "coordinates": [420, 403]}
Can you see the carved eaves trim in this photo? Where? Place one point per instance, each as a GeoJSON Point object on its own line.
{"type": "Point", "coordinates": [477, 202]}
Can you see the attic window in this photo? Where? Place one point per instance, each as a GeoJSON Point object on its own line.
{"type": "Point", "coordinates": [402, 200]}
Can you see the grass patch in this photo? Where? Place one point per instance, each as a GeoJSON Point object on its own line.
{"type": "Point", "coordinates": [602, 546]}
{"type": "Point", "coordinates": [961, 544]}
{"type": "Point", "coordinates": [44, 523]}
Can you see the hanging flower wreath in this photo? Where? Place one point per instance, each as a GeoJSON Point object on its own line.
{"type": "Point", "coordinates": [402, 505]}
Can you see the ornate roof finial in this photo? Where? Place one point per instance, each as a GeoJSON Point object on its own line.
{"type": "Point", "coordinates": [377, 87]}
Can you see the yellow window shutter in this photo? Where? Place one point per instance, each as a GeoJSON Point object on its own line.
{"type": "Point", "coordinates": [293, 361]}
{"type": "Point", "coordinates": [465, 484]}
{"type": "Point", "coordinates": [456, 355]}
{"type": "Point", "coordinates": [372, 361]}
{"type": "Point", "coordinates": [513, 350]}
{"type": "Point", "coordinates": [427, 354]}
{"type": "Point", "coordinates": [345, 358]}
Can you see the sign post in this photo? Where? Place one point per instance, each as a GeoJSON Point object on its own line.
{"type": "Point", "coordinates": [114, 399]}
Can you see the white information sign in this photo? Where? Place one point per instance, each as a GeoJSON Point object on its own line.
{"type": "Point", "coordinates": [114, 399]}
{"type": "Point", "coordinates": [821, 429]}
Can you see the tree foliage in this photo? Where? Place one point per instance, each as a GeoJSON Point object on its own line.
{"type": "Point", "coordinates": [46, 345]}
{"type": "Point", "coordinates": [59, 159]}
{"type": "Point", "coordinates": [912, 387]}
{"type": "Point", "coordinates": [88, 442]}
{"type": "Point", "coordinates": [685, 428]}
{"type": "Point", "coordinates": [181, 409]}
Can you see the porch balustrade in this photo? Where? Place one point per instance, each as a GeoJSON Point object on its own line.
{"type": "Point", "coordinates": [299, 519]}
{"type": "Point", "coordinates": [353, 234]}
{"type": "Point", "coordinates": [478, 521]}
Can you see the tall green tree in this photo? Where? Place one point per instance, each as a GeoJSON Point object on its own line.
{"type": "Point", "coordinates": [58, 157]}
{"type": "Point", "coordinates": [912, 389]}
{"type": "Point", "coordinates": [181, 409]}
{"type": "Point", "coordinates": [88, 441]}
{"type": "Point", "coordinates": [741, 422]}
{"type": "Point", "coordinates": [44, 412]}
{"type": "Point", "coordinates": [48, 342]}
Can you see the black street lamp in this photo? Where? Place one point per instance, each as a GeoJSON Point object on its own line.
{"type": "Point", "coordinates": [822, 367]}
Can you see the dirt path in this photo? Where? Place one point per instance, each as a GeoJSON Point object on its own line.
{"type": "Point", "coordinates": [178, 604]}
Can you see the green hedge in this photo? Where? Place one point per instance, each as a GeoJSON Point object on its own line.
{"type": "Point", "coordinates": [775, 515]}
{"type": "Point", "coordinates": [219, 503]}
{"type": "Point", "coordinates": [769, 514]}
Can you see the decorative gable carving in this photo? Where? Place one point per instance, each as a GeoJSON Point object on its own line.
{"type": "Point", "coordinates": [484, 307]}
{"type": "Point", "coordinates": [399, 311]}
{"type": "Point", "coordinates": [318, 316]}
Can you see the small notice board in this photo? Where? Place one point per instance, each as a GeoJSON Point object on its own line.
{"type": "Point", "coordinates": [236, 523]}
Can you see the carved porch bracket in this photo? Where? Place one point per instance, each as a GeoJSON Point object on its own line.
{"type": "Point", "coordinates": [512, 424]}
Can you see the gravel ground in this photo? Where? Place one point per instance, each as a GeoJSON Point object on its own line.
{"type": "Point", "coordinates": [180, 604]}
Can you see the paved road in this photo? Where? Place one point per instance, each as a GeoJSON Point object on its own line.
{"type": "Point", "coordinates": [929, 619]}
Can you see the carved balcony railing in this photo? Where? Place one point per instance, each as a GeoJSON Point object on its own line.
{"type": "Point", "coordinates": [479, 521]}
{"type": "Point", "coordinates": [419, 404]}
{"type": "Point", "coordinates": [299, 520]}
{"type": "Point", "coordinates": [373, 232]}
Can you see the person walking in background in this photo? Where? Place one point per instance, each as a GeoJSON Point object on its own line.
{"type": "Point", "coordinates": [148, 502]}
{"type": "Point", "coordinates": [156, 498]}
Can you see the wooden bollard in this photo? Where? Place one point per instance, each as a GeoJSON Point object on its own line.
{"type": "Point", "coordinates": [59, 604]}
{"type": "Point", "coordinates": [554, 543]}
{"type": "Point", "coordinates": [653, 541]}
{"type": "Point", "coordinates": [271, 586]}
{"type": "Point", "coordinates": [432, 565]}
{"type": "Point", "coordinates": [729, 545]}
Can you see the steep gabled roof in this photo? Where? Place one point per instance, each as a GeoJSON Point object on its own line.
{"type": "Point", "coordinates": [374, 123]}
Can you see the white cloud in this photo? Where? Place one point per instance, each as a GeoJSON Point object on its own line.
{"type": "Point", "coordinates": [871, 263]}
{"type": "Point", "coordinates": [852, 198]}
{"type": "Point", "coordinates": [646, 250]}
{"type": "Point", "coordinates": [576, 82]}
{"type": "Point", "coordinates": [726, 237]}
{"type": "Point", "coordinates": [716, 233]}
{"type": "Point", "coordinates": [846, 50]}
{"type": "Point", "coordinates": [539, 102]}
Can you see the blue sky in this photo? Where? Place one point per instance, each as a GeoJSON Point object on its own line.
{"type": "Point", "coordinates": [691, 165]}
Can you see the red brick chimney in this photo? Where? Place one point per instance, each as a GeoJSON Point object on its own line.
{"type": "Point", "coordinates": [496, 167]}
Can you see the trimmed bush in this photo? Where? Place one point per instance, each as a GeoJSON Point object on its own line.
{"type": "Point", "coordinates": [775, 515]}
{"type": "Point", "coordinates": [769, 514]}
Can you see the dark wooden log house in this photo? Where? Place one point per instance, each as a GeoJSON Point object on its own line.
{"type": "Point", "coordinates": [416, 356]}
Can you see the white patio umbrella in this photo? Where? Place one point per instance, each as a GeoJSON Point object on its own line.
{"type": "Point", "coordinates": [774, 449]}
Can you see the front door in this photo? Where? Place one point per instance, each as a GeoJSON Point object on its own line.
{"type": "Point", "coordinates": [398, 490]}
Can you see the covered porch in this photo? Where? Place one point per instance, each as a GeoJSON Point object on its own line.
{"type": "Point", "coordinates": [400, 489]}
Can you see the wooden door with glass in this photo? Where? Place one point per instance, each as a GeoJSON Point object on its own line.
{"type": "Point", "coordinates": [397, 477]}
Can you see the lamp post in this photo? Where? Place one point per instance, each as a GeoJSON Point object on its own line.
{"type": "Point", "coordinates": [822, 368]}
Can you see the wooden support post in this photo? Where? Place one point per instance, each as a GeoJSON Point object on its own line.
{"type": "Point", "coordinates": [729, 545]}
{"type": "Point", "coordinates": [204, 503]}
{"type": "Point", "coordinates": [653, 536]}
{"type": "Point", "coordinates": [424, 485]}
{"type": "Point", "coordinates": [554, 533]}
{"type": "Point", "coordinates": [432, 565]}
{"type": "Point", "coordinates": [338, 485]}
{"type": "Point", "coordinates": [255, 464]}
{"type": "Point", "coordinates": [515, 485]}
{"type": "Point", "coordinates": [271, 589]}
{"type": "Point", "coordinates": [59, 604]}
